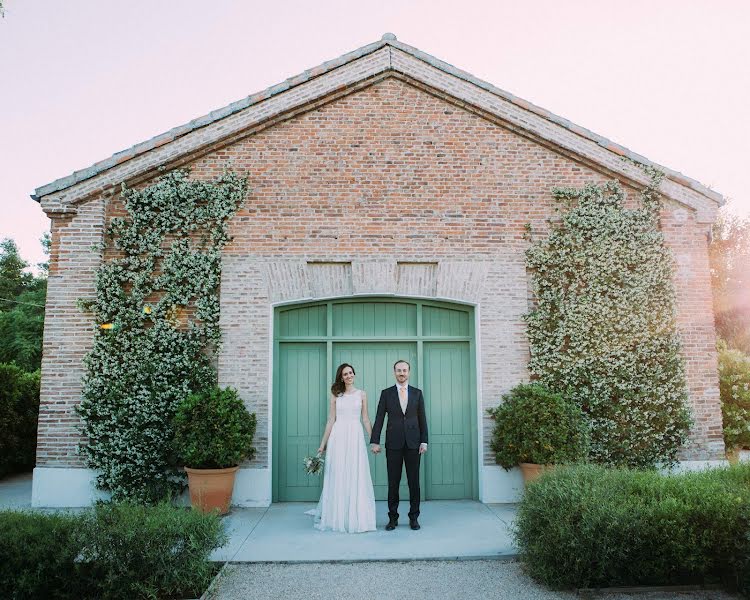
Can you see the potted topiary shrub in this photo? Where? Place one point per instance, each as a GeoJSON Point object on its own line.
{"type": "Point", "coordinates": [213, 434]}
{"type": "Point", "coordinates": [535, 428]}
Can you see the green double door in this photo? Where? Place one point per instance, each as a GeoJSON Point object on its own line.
{"type": "Point", "coordinates": [437, 339]}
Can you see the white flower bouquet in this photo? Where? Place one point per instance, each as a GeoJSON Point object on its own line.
{"type": "Point", "coordinates": [314, 464]}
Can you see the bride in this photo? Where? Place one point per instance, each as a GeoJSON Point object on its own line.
{"type": "Point", "coordinates": [347, 502]}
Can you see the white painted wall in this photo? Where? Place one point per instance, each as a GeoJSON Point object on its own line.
{"type": "Point", "coordinates": [71, 487]}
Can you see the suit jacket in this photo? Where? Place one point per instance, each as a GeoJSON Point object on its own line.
{"type": "Point", "coordinates": [403, 430]}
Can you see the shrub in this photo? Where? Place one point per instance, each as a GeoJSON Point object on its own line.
{"type": "Point", "coordinates": [19, 411]}
{"type": "Point", "coordinates": [587, 526]}
{"type": "Point", "coordinates": [214, 430]}
{"type": "Point", "coordinates": [130, 550]}
{"type": "Point", "coordinates": [734, 388]}
{"type": "Point", "coordinates": [37, 556]}
{"type": "Point", "coordinates": [114, 551]}
{"type": "Point", "coordinates": [535, 425]}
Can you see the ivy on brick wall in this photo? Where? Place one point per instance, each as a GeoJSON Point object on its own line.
{"type": "Point", "coordinates": [157, 328]}
{"type": "Point", "coordinates": [604, 330]}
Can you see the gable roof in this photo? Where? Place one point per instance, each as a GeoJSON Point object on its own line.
{"type": "Point", "coordinates": [349, 72]}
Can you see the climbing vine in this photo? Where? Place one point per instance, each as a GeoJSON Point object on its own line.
{"type": "Point", "coordinates": [157, 328]}
{"type": "Point", "coordinates": [603, 330]}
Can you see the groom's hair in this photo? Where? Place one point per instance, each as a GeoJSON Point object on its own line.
{"type": "Point", "coordinates": [406, 362]}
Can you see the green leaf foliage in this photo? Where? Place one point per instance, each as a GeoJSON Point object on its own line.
{"type": "Point", "coordinates": [116, 551]}
{"type": "Point", "coordinates": [159, 298]}
{"type": "Point", "coordinates": [729, 254]}
{"type": "Point", "coordinates": [603, 331]}
{"type": "Point", "coordinates": [214, 430]}
{"type": "Point", "coordinates": [19, 411]}
{"type": "Point", "coordinates": [536, 425]}
{"type": "Point", "coordinates": [592, 526]}
{"type": "Point", "coordinates": [14, 280]}
{"type": "Point", "coordinates": [22, 300]}
{"type": "Point", "coordinates": [37, 556]}
{"type": "Point", "coordinates": [734, 389]}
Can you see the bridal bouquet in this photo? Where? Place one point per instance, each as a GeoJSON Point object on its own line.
{"type": "Point", "coordinates": [313, 464]}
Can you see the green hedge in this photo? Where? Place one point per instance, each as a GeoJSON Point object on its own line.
{"type": "Point", "coordinates": [114, 551]}
{"type": "Point", "coordinates": [37, 555]}
{"type": "Point", "coordinates": [19, 411]}
{"type": "Point", "coordinates": [589, 526]}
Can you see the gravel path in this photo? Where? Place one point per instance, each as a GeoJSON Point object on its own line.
{"type": "Point", "coordinates": [417, 580]}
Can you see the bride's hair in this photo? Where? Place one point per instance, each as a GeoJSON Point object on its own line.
{"type": "Point", "coordinates": [339, 387]}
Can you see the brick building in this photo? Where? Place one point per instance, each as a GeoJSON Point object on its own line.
{"type": "Point", "coordinates": [388, 197]}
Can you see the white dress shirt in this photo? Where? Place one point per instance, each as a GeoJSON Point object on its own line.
{"type": "Point", "coordinates": [404, 401]}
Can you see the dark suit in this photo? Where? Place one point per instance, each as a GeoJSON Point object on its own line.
{"type": "Point", "coordinates": [403, 435]}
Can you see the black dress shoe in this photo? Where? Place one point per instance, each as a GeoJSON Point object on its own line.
{"type": "Point", "coordinates": [414, 524]}
{"type": "Point", "coordinates": [392, 524]}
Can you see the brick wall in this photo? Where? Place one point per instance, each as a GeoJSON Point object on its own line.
{"type": "Point", "coordinates": [393, 174]}
{"type": "Point", "coordinates": [68, 333]}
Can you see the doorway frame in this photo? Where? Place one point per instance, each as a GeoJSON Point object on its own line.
{"type": "Point", "coordinates": [474, 379]}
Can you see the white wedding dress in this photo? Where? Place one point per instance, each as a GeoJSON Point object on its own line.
{"type": "Point", "coordinates": [347, 502]}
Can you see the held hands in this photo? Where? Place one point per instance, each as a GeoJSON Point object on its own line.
{"type": "Point", "coordinates": [322, 450]}
{"type": "Point", "coordinates": [376, 448]}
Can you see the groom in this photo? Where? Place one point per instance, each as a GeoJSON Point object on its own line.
{"type": "Point", "coordinates": [405, 440]}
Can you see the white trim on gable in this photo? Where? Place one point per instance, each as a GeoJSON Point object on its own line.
{"type": "Point", "coordinates": [348, 74]}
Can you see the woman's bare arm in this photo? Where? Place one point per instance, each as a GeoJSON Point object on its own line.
{"type": "Point", "coordinates": [366, 416]}
{"type": "Point", "coordinates": [329, 424]}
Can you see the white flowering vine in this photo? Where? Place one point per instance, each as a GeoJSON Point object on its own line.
{"type": "Point", "coordinates": [603, 330]}
{"type": "Point", "coordinates": [157, 328]}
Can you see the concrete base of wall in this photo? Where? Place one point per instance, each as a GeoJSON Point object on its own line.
{"type": "Point", "coordinates": [498, 486]}
{"type": "Point", "coordinates": [67, 487]}
{"type": "Point", "coordinates": [252, 487]}
{"type": "Point", "coordinates": [64, 487]}
{"type": "Point", "coordinates": [70, 487]}
{"type": "Point", "coordinates": [698, 465]}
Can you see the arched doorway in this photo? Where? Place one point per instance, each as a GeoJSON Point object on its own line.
{"type": "Point", "coordinates": [311, 340]}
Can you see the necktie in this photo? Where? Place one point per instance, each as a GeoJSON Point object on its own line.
{"type": "Point", "coordinates": [402, 399]}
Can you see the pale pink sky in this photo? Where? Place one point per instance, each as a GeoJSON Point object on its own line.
{"type": "Point", "coordinates": [83, 79]}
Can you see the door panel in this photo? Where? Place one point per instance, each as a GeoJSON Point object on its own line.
{"type": "Point", "coordinates": [438, 321]}
{"type": "Point", "coordinates": [447, 390]}
{"type": "Point", "coordinates": [368, 319]}
{"type": "Point", "coordinates": [302, 414]}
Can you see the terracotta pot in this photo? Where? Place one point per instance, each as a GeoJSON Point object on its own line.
{"type": "Point", "coordinates": [211, 489]}
{"type": "Point", "coordinates": [733, 455]}
{"type": "Point", "coordinates": [532, 471]}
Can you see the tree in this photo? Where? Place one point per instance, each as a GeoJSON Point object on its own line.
{"type": "Point", "coordinates": [46, 242]}
{"type": "Point", "coordinates": [19, 411]}
{"type": "Point", "coordinates": [729, 254]}
{"type": "Point", "coordinates": [13, 279]}
{"type": "Point", "coordinates": [22, 300]}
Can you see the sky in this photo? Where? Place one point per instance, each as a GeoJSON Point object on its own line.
{"type": "Point", "coordinates": [83, 79]}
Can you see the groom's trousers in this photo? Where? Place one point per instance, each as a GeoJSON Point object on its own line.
{"type": "Point", "coordinates": [395, 460]}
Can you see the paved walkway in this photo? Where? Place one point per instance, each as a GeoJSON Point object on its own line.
{"type": "Point", "coordinates": [15, 491]}
{"type": "Point", "coordinates": [450, 529]}
{"type": "Point", "coordinates": [284, 533]}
